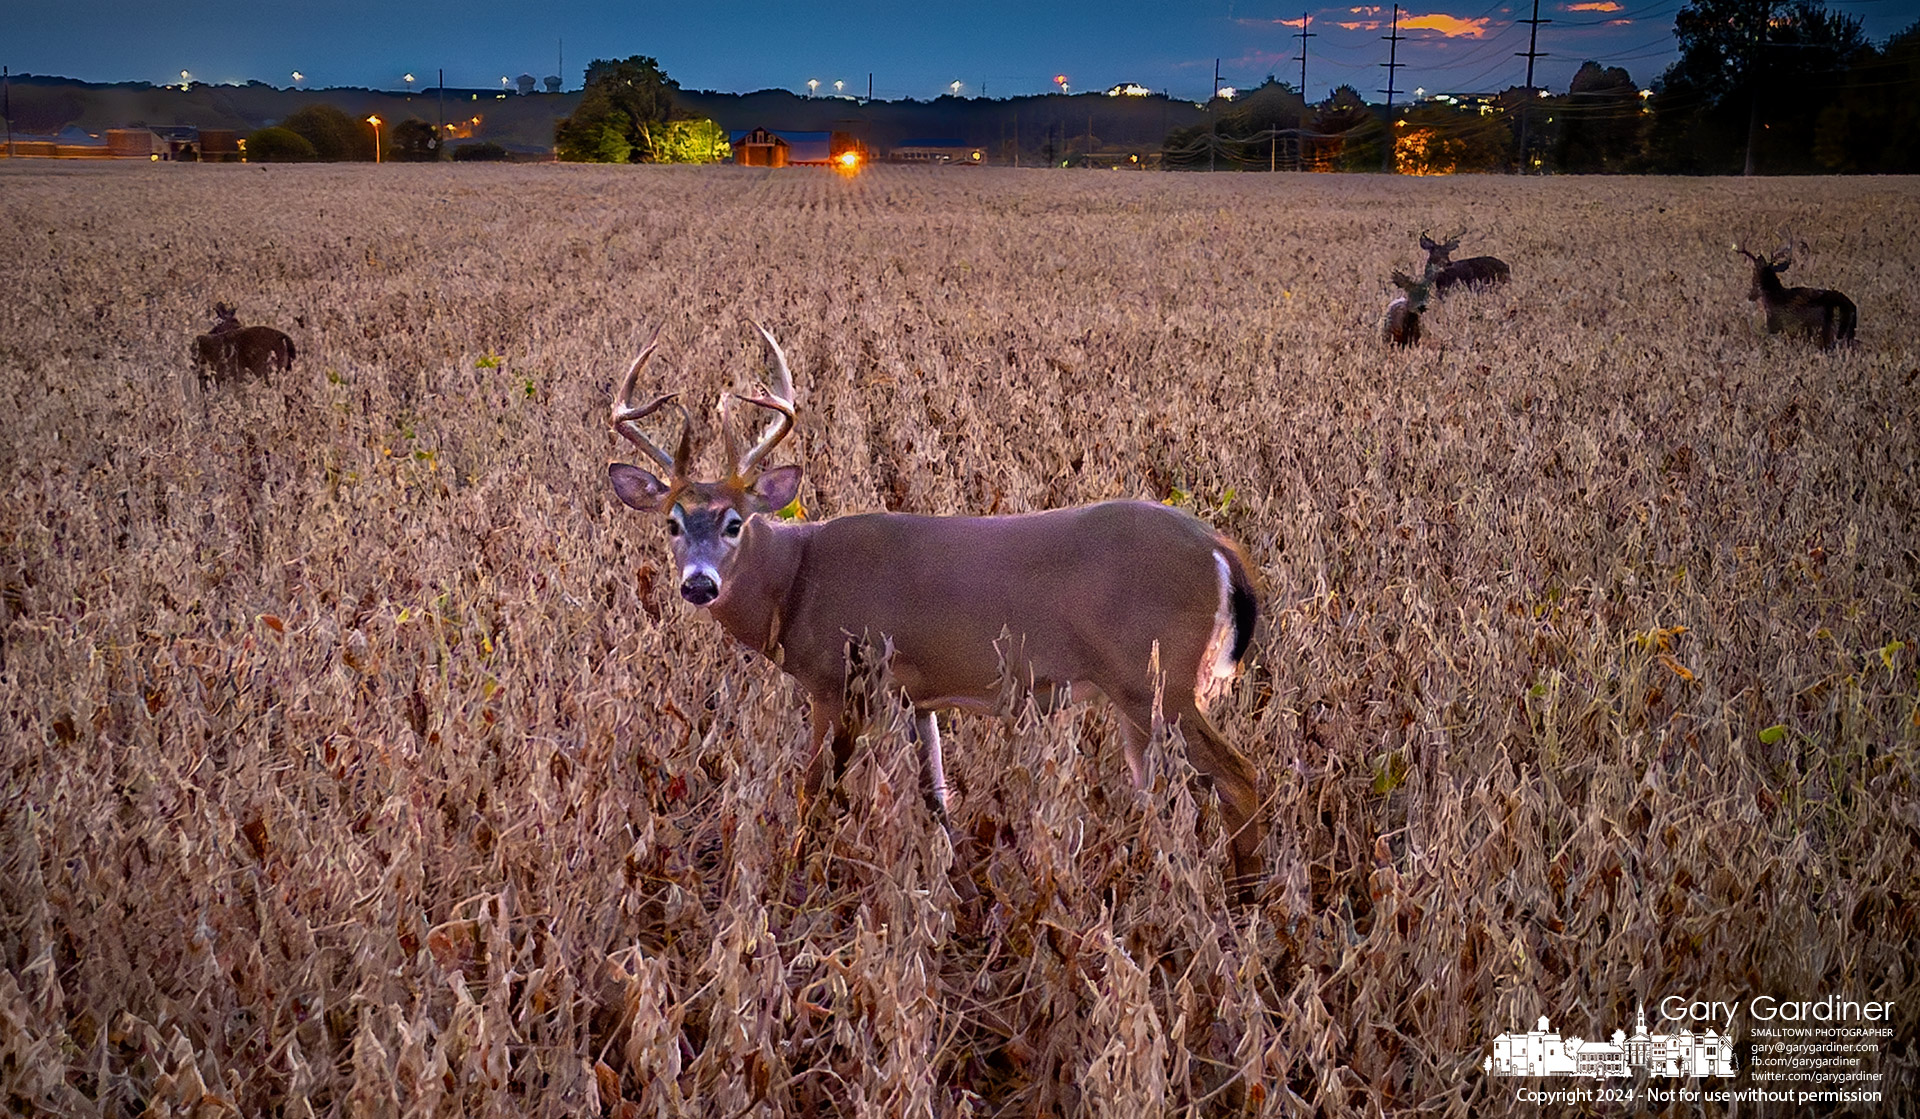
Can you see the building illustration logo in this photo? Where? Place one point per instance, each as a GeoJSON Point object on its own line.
{"type": "Point", "coordinates": [1543, 1052]}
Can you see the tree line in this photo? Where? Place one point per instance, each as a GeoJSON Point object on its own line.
{"type": "Point", "coordinates": [1761, 87]}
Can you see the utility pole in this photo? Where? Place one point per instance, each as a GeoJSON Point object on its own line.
{"type": "Point", "coordinates": [1300, 141]}
{"type": "Point", "coordinates": [1213, 119]}
{"type": "Point", "coordinates": [1526, 108]}
{"type": "Point", "coordinates": [1392, 64]}
{"type": "Point", "coordinates": [6, 84]}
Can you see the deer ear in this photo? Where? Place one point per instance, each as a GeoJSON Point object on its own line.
{"type": "Point", "coordinates": [775, 489]}
{"type": "Point", "coordinates": [639, 489]}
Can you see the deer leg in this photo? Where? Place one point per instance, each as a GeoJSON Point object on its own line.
{"type": "Point", "coordinates": [926, 731]}
{"type": "Point", "coordinates": [828, 719]}
{"type": "Point", "coordinates": [1232, 778]}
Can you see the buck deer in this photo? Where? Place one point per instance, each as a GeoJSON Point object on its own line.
{"type": "Point", "coordinates": [1811, 311]}
{"type": "Point", "coordinates": [1402, 324]}
{"type": "Point", "coordinates": [1473, 272]}
{"type": "Point", "coordinates": [225, 319]}
{"type": "Point", "coordinates": [229, 352]}
{"type": "Point", "coordinates": [974, 613]}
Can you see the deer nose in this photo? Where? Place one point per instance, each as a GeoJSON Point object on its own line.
{"type": "Point", "coordinates": [699, 589]}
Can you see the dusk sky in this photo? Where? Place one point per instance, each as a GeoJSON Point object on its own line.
{"type": "Point", "coordinates": [1010, 47]}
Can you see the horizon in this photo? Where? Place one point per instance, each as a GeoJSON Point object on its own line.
{"type": "Point", "coordinates": [922, 55]}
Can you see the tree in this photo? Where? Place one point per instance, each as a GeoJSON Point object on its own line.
{"type": "Point", "coordinates": [1752, 79]}
{"type": "Point", "coordinates": [1356, 131]}
{"type": "Point", "coordinates": [413, 141]}
{"type": "Point", "coordinates": [1868, 128]}
{"type": "Point", "coordinates": [335, 136]}
{"type": "Point", "coordinates": [624, 101]}
{"type": "Point", "coordinates": [690, 141]}
{"type": "Point", "coordinates": [1601, 122]}
{"type": "Point", "coordinates": [279, 145]}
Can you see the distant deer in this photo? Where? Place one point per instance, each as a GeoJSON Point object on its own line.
{"type": "Point", "coordinates": [1816, 312]}
{"type": "Point", "coordinates": [1402, 324]}
{"type": "Point", "coordinates": [225, 319]}
{"type": "Point", "coordinates": [1473, 272]}
{"type": "Point", "coordinates": [231, 351]}
{"type": "Point", "coordinates": [1134, 600]}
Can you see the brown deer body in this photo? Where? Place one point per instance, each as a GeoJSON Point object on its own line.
{"type": "Point", "coordinates": [228, 354]}
{"type": "Point", "coordinates": [1815, 312]}
{"type": "Point", "coordinates": [1473, 272]}
{"type": "Point", "coordinates": [971, 613]}
{"type": "Point", "coordinates": [1401, 327]}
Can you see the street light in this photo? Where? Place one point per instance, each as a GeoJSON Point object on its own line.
{"type": "Point", "coordinates": [1061, 81]}
{"type": "Point", "coordinates": [955, 87]}
{"type": "Point", "coordinates": [375, 121]}
{"type": "Point", "coordinates": [186, 79]}
{"type": "Point", "coordinates": [298, 77]}
{"type": "Point", "coordinates": [812, 84]}
{"type": "Point", "coordinates": [409, 80]}
{"type": "Point", "coordinates": [837, 86]}
{"type": "Point", "coordinates": [505, 83]}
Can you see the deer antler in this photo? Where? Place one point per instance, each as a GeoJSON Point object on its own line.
{"type": "Point", "coordinates": [625, 417]}
{"type": "Point", "coordinates": [777, 399]}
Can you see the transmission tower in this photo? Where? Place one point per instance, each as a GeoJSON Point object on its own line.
{"type": "Point", "coordinates": [1526, 106]}
{"type": "Point", "coordinates": [1392, 64]}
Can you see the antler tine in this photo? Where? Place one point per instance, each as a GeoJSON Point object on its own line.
{"type": "Point", "coordinates": [777, 399]}
{"type": "Point", "coordinates": [625, 417]}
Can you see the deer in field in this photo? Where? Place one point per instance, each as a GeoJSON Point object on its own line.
{"type": "Point", "coordinates": [1401, 327]}
{"type": "Point", "coordinates": [1473, 272]}
{"type": "Point", "coordinates": [1133, 600]}
{"type": "Point", "coordinates": [225, 319]}
{"type": "Point", "coordinates": [229, 351]}
{"type": "Point", "coordinates": [1816, 312]}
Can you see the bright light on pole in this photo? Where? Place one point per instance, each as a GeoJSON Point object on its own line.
{"type": "Point", "coordinates": [812, 84]}
{"type": "Point", "coordinates": [186, 79]}
{"type": "Point", "coordinates": [409, 80]}
{"type": "Point", "coordinates": [837, 86]}
{"type": "Point", "coordinates": [1061, 81]}
{"type": "Point", "coordinates": [298, 77]}
{"type": "Point", "coordinates": [955, 87]}
{"type": "Point", "coordinates": [375, 121]}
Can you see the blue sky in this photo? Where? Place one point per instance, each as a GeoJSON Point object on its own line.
{"type": "Point", "coordinates": [1009, 47]}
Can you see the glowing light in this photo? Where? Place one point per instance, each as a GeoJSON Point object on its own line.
{"type": "Point", "coordinates": [812, 84]}
{"type": "Point", "coordinates": [837, 86]}
{"type": "Point", "coordinates": [1228, 92]}
{"type": "Point", "coordinates": [849, 160]}
{"type": "Point", "coordinates": [375, 121]}
{"type": "Point", "coordinates": [955, 87]}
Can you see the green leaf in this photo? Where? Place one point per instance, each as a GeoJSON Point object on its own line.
{"type": "Point", "coordinates": [1773, 734]}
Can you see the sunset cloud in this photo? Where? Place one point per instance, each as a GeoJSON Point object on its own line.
{"type": "Point", "coordinates": [1452, 27]}
{"type": "Point", "coordinates": [1600, 6]}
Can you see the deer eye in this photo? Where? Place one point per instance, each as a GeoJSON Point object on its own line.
{"type": "Point", "coordinates": [731, 529]}
{"type": "Point", "coordinates": [674, 527]}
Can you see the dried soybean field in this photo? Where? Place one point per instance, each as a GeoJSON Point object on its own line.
{"type": "Point", "coordinates": [361, 759]}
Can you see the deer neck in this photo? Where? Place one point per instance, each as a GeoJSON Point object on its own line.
{"type": "Point", "coordinates": [760, 581]}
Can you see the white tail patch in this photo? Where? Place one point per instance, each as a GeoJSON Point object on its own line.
{"type": "Point", "coordinates": [1217, 666]}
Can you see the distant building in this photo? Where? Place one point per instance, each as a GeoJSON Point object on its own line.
{"type": "Point", "coordinates": [765, 147]}
{"type": "Point", "coordinates": [1543, 1052]}
{"type": "Point", "coordinates": [937, 151]}
{"type": "Point", "coordinates": [525, 83]}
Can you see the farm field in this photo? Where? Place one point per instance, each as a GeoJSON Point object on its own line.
{"type": "Point", "coordinates": [361, 759]}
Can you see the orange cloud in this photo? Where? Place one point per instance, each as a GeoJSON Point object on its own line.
{"type": "Point", "coordinates": [1302, 22]}
{"type": "Point", "coordinates": [1451, 26]}
{"type": "Point", "coordinates": [1600, 6]}
{"type": "Point", "coordinates": [1364, 11]}
{"type": "Point", "coordinates": [1359, 25]}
